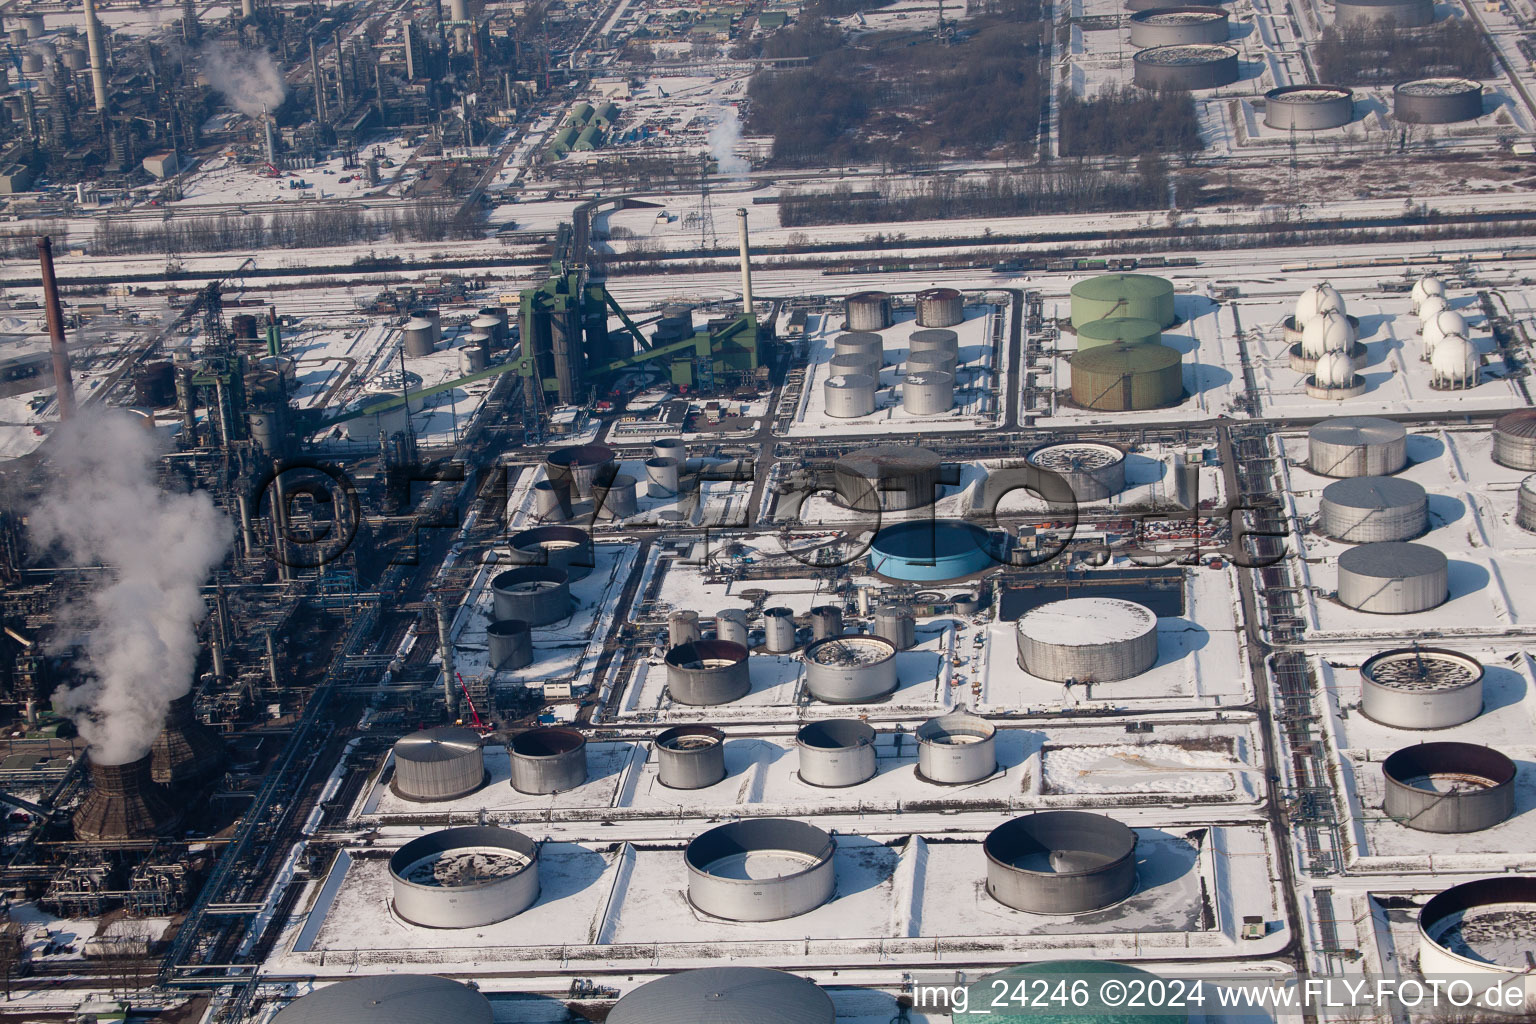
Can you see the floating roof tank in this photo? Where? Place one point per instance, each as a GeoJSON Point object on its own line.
{"type": "Point", "coordinates": [186, 753]}
{"type": "Point", "coordinates": [509, 643]}
{"type": "Point", "coordinates": [708, 672]}
{"type": "Point", "coordinates": [836, 752]}
{"type": "Point", "coordinates": [411, 999]}
{"type": "Point", "coordinates": [760, 869]}
{"type": "Point", "coordinates": [1205, 66]}
{"type": "Point", "coordinates": [1437, 100]}
{"type": "Point", "coordinates": [1367, 509]}
{"type": "Point", "coordinates": [1124, 378]}
{"type": "Point", "coordinates": [549, 759]}
{"type": "Point", "coordinates": [690, 757]}
{"type": "Point", "coordinates": [1449, 787]}
{"type": "Point", "coordinates": [444, 763]}
{"type": "Point", "coordinates": [535, 594]}
{"type": "Point", "coordinates": [582, 466]}
{"type": "Point", "coordinates": [1179, 26]}
{"type": "Point", "coordinates": [1140, 296]}
{"type": "Point", "coordinates": [1092, 470]}
{"type": "Point", "coordinates": [1087, 640]}
{"type": "Point", "coordinates": [1383, 13]}
{"type": "Point", "coordinates": [956, 748]}
{"type": "Point", "coordinates": [125, 804]}
{"type": "Point", "coordinates": [888, 477]}
{"type": "Point", "coordinates": [725, 995]}
{"type": "Point", "coordinates": [940, 307]}
{"type": "Point", "coordinates": [850, 669]}
{"type": "Point", "coordinates": [1469, 930]}
{"type": "Point", "coordinates": [1308, 107]}
{"type": "Point", "coordinates": [1060, 862]}
{"type": "Point", "coordinates": [1421, 688]}
{"type": "Point", "coordinates": [867, 311]}
{"type": "Point", "coordinates": [1357, 446]}
{"type": "Point", "coordinates": [1393, 578]}
{"type": "Point", "coordinates": [555, 547]}
{"type": "Point", "coordinates": [464, 878]}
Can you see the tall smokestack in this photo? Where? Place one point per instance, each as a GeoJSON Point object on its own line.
{"type": "Point", "coordinates": [98, 57]}
{"type": "Point", "coordinates": [247, 9]}
{"type": "Point", "coordinates": [314, 70]}
{"type": "Point", "coordinates": [746, 263]}
{"type": "Point", "coordinates": [266, 125]}
{"type": "Point", "coordinates": [458, 10]}
{"type": "Point", "coordinates": [63, 386]}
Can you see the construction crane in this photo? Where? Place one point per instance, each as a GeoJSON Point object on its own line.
{"type": "Point", "coordinates": [477, 723]}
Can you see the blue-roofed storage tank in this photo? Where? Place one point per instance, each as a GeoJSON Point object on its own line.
{"type": "Point", "coordinates": [934, 550]}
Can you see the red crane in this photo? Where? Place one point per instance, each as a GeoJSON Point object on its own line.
{"type": "Point", "coordinates": [479, 724]}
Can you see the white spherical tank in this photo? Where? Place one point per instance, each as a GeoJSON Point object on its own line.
{"type": "Point", "coordinates": [1454, 365]}
{"type": "Point", "coordinates": [1423, 288]}
{"type": "Point", "coordinates": [1087, 640]}
{"type": "Point", "coordinates": [1431, 307]}
{"type": "Point", "coordinates": [1421, 688]}
{"type": "Point", "coordinates": [1326, 332]}
{"type": "Point", "coordinates": [1444, 323]}
{"type": "Point", "coordinates": [465, 877]}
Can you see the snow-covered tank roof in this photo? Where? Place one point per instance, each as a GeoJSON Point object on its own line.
{"type": "Point", "coordinates": [397, 998]}
{"type": "Point", "coordinates": [1088, 621]}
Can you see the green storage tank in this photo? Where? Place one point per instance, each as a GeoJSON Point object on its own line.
{"type": "Point", "coordinates": [1042, 979]}
{"type": "Point", "coordinates": [1128, 329]}
{"type": "Point", "coordinates": [1121, 378]}
{"type": "Point", "coordinates": [1123, 295]}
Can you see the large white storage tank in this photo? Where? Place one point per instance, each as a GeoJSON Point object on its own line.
{"type": "Point", "coordinates": [1087, 640]}
{"type": "Point", "coordinates": [1357, 446]}
{"type": "Point", "coordinates": [1421, 688]}
{"type": "Point", "coordinates": [1393, 578]}
{"type": "Point", "coordinates": [444, 763]}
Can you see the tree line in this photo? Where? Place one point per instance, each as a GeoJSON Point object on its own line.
{"type": "Point", "coordinates": [1127, 121]}
{"type": "Point", "coordinates": [299, 229]}
{"type": "Point", "coordinates": [1358, 55]}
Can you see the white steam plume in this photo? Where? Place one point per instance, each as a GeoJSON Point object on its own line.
{"type": "Point", "coordinates": [104, 506]}
{"type": "Point", "coordinates": [723, 138]}
{"type": "Point", "coordinates": [248, 79]}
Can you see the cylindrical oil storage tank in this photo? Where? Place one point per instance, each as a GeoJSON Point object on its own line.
{"type": "Point", "coordinates": [474, 357]}
{"type": "Point", "coordinates": [731, 626]}
{"type": "Point", "coordinates": [464, 878]}
{"type": "Point", "coordinates": [434, 316]}
{"type": "Point", "coordinates": [1087, 640]}
{"type": "Point", "coordinates": [670, 448]}
{"type": "Point", "coordinates": [826, 620]}
{"type": "Point", "coordinates": [663, 477]}
{"type": "Point", "coordinates": [500, 315]}
{"type": "Point", "coordinates": [725, 995]}
{"type": "Point", "coordinates": [859, 343]}
{"type": "Point", "coordinates": [867, 311]}
{"type": "Point", "coordinates": [1437, 101]}
{"type": "Point", "coordinates": [18, 37]}
{"type": "Point", "coordinates": [850, 365]}
{"type": "Point", "coordinates": [965, 604]}
{"type": "Point", "coordinates": [1094, 471]}
{"type": "Point", "coordinates": [34, 24]}
{"type": "Point", "coordinates": [850, 396]}
{"type": "Point", "coordinates": [418, 338]}
{"type": "Point", "coordinates": [778, 630]}
{"type": "Point", "coordinates": [682, 628]}
{"type": "Point", "coordinates": [896, 623]}
{"type": "Point", "coordinates": [31, 63]}
{"type": "Point", "coordinates": [1382, 13]}
{"type": "Point", "coordinates": [690, 757]}
{"type": "Point", "coordinates": [1308, 107]}
{"type": "Point", "coordinates": [444, 763]}
{"type": "Point", "coordinates": [510, 645]}
{"type": "Point", "coordinates": [708, 672]}
{"type": "Point", "coordinates": [1357, 446]}
{"type": "Point", "coordinates": [1449, 787]}
{"type": "Point", "coordinates": [494, 329]}
{"type": "Point", "coordinates": [1525, 504]}
{"type": "Point", "coordinates": [1393, 578]}
{"type": "Point", "coordinates": [931, 360]}
{"type": "Point", "coordinates": [1179, 26]}
{"type": "Point", "coordinates": [760, 869]}
{"type": "Point", "coordinates": [618, 498]}
{"type": "Point", "coordinates": [932, 551]}
{"type": "Point", "coordinates": [940, 307]}
{"type": "Point", "coordinates": [850, 668]}
{"type": "Point", "coordinates": [74, 58]}
{"type": "Point", "coordinates": [956, 748]}
{"type": "Point", "coordinates": [1124, 378]}
{"type": "Point", "coordinates": [1207, 66]}
{"type": "Point", "coordinates": [536, 594]}
{"type": "Point", "coordinates": [1421, 688]}
{"type": "Point", "coordinates": [676, 323]}
{"type": "Point", "coordinates": [927, 393]}
{"type": "Point", "coordinates": [552, 500]}
{"type": "Point", "coordinates": [888, 477]}
{"type": "Point", "coordinates": [1514, 440]}
{"type": "Point", "coordinates": [549, 759]}
{"type": "Point", "coordinates": [555, 547]}
{"type": "Point", "coordinates": [1060, 862]}
{"type": "Point", "coordinates": [934, 340]}
{"type": "Point", "coordinates": [836, 752]}
{"type": "Point", "coordinates": [154, 385]}
{"type": "Point", "coordinates": [411, 998]}
{"type": "Point", "coordinates": [1366, 509]}
{"type": "Point", "coordinates": [1126, 330]}
{"type": "Point", "coordinates": [580, 467]}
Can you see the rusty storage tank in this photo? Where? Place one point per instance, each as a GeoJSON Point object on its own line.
{"type": "Point", "coordinates": [1125, 378]}
{"type": "Point", "coordinates": [444, 763]}
{"type": "Point", "coordinates": [243, 326]}
{"type": "Point", "coordinates": [867, 311]}
{"type": "Point", "coordinates": [549, 759]}
{"type": "Point", "coordinates": [154, 385]}
{"type": "Point", "coordinates": [940, 307]}
{"type": "Point", "coordinates": [186, 753]}
{"type": "Point", "coordinates": [509, 644]}
{"type": "Point", "coordinates": [125, 805]}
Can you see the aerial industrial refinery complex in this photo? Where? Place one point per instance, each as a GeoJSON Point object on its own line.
{"type": "Point", "coordinates": [549, 511]}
